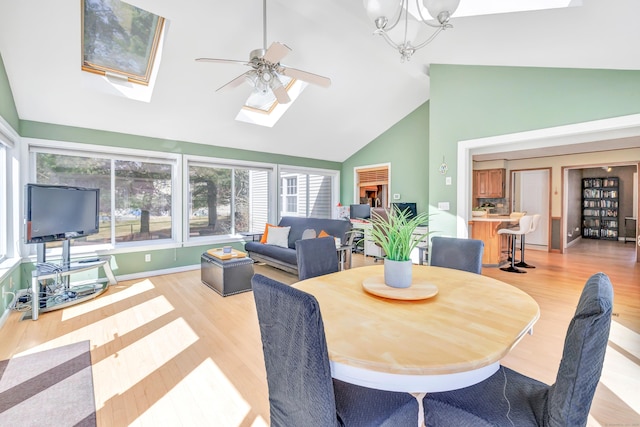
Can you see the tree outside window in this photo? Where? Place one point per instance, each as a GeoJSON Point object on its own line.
{"type": "Point", "coordinates": [226, 200]}
{"type": "Point", "coordinates": [142, 194]}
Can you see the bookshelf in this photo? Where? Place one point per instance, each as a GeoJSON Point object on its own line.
{"type": "Point", "coordinates": [600, 206]}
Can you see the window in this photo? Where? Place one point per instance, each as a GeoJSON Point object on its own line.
{"type": "Point", "coordinates": [142, 200]}
{"type": "Point", "coordinates": [9, 191]}
{"type": "Point", "coordinates": [291, 197]}
{"type": "Point", "coordinates": [119, 38]}
{"type": "Point", "coordinates": [227, 199]}
{"type": "Point", "coordinates": [4, 210]}
{"type": "Point", "coordinates": [135, 194]}
{"type": "Point", "coordinates": [308, 192]}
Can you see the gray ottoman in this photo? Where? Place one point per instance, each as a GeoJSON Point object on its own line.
{"type": "Point", "coordinates": [226, 277]}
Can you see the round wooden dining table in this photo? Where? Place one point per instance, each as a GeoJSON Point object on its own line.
{"type": "Point", "coordinates": [450, 340]}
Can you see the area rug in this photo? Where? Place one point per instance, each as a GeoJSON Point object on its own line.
{"type": "Point", "coordinates": [49, 388]}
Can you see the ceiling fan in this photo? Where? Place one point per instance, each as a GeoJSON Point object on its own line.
{"type": "Point", "coordinates": [266, 71]}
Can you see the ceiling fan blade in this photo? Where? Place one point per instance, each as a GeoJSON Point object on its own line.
{"type": "Point", "coordinates": [305, 76]}
{"type": "Point", "coordinates": [276, 52]}
{"type": "Point", "coordinates": [222, 61]}
{"type": "Point", "coordinates": [235, 82]}
{"type": "Point", "coordinates": [280, 92]}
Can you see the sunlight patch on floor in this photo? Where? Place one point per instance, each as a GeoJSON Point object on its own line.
{"type": "Point", "coordinates": [592, 422]}
{"type": "Point", "coordinates": [103, 331]}
{"type": "Point", "coordinates": [183, 403]}
{"type": "Point", "coordinates": [625, 338]}
{"type": "Point", "coordinates": [130, 365]}
{"type": "Point", "coordinates": [106, 299]}
{"type": "Point", "coordinates": [622, 376]}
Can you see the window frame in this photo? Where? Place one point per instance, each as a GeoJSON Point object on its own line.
{"type": "Point", "coordinates": [334, 174]}
{"type": "Point", "coordinates": [291, 183]}
{"type": "Point", "coordinates": [215, 162]}
{"type": "Point", "coordinates": [32, 146]}
{"type": "Point", "coordinates": [5, 212]}
{"type": "Point", "coordinates": [130, 77]}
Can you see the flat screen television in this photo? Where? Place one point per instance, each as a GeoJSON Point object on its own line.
{"type": "Point", "coordinates": [56, 212]}
{"type": "Point", "coordinates": [407, 206]}
{"type": "Point", "coordinates": [359, 211]}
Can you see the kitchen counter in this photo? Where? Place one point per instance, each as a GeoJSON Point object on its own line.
{"type": "Point", "coordinates": [496, 246]}
{"type": "Point", "coordinates": [492, 218]}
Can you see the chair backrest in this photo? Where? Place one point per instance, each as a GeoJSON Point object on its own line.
{"type": "Point", "coordinates": [461, 254]}
{"type": "Point", "coordinates": [534, 222]}
{"type": "Point", "coordinates": [316, 257]}
{"type": "Point", "coordinates": [570, 398]}
{"type": "Point", "coordinates": [295, 354]}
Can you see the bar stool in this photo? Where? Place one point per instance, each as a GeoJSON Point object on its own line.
{"type": "Point", "coordinates": [513, 216]}
{"type": "Point", "coordinates": [534, 225]}
{"type": "Point", "coordinates": [524, 225]}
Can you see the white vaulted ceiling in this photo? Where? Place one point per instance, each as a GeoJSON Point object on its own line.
{"type": "Point", "coordinates": [371, 90]}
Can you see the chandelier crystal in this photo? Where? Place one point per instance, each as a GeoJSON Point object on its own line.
{"type": "Point", "coordinates": [395, 22]}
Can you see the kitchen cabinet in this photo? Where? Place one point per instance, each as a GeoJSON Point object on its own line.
{"type": "Point", "coordinates": [488, 183]}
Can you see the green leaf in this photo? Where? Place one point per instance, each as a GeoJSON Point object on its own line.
{"type": "Point", "coordinates": [395, 234]}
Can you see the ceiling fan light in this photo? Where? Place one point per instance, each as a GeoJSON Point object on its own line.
{"type": "Point", "coordinates": [251, 78]}
{"type": "Point", "coordinates": [441, 9]}
{"type": "Point", "coordinates": [383, 11]}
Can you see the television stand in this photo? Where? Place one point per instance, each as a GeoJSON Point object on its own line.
{"type": "Point", "coordinates": [67, 294]}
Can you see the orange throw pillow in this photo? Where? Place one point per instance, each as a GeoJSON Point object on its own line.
{"type": "Point", "coordinates": [263, 239]}
{"type": "Point", "coordinates": [324, 234]}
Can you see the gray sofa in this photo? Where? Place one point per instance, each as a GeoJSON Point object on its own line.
{"type": "Point", "coordinates": [285, 258]}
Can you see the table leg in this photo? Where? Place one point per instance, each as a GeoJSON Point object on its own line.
{"type": "Point", "coordinates": [35, 298]}
{"type": "Point", "coordinates": [419, 397]}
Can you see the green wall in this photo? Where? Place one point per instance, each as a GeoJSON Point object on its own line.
{"type": "Point", "coordinates": [8, 109]}
{"type": "Point", "coordinates": [406, 147]}
{"type": "Point", "coordinates": [469, 102]}
{"type": "Point", "coordinates": [29, 129]}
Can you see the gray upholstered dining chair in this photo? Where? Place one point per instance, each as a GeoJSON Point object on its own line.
{"type": "Point", "coordinates": [461, 254]}
{"type": "Point", "coordinates": [316, 257]}
{"type": "Point", "coordinates": [301, 390]}
{"type": "Point", "coordinates": [508, 398]}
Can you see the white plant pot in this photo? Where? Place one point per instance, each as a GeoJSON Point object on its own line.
{"type": "Point", "coordinates": [398, 274]}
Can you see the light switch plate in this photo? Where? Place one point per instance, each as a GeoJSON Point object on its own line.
{"type": "Point", "coordinates": [443, 206]}
{"type": "Point", "coordinates": [396, 196]}
{"type": "Point", "coordinates": [447, 180]}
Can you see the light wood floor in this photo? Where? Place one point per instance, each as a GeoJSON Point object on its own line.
{"type": "Point", "coordinates": [168, 351]}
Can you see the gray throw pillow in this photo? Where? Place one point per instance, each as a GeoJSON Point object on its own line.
{"type": "Point", "coordinates": [309, 233]}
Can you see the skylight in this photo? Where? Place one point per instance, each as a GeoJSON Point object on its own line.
{"type": "Point", "coordinates": [119, 39]}
{"type": "Point", "coordinates": [490, 7]}
{"type": "Point", "coordinates": [265, 102]}
{"type": "Point", "coordinates": [487, 7]}
{"type": "Point", "coordinates": [263, 109]}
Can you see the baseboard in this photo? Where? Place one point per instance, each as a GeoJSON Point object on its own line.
{"type": "Point", "coordinates": [17, 294]}
{"type": "Point", "coordinates": [144, 274]}
{"type": "Point", "coordinates": [573, 242]}
{"type": "Point", "coordinates": [5, 316]}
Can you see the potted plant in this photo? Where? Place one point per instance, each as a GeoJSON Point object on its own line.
{"type": "Point", "coordinates": [395, 234]}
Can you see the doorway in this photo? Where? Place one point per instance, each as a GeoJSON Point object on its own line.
{"type": "Point", "coordinates": [561, 140]}
{"type": "Point", "coordinates": [530, 192]}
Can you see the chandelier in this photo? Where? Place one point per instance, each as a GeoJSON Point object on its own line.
{"type": "Point", "coordinates": [395, 21]}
